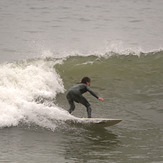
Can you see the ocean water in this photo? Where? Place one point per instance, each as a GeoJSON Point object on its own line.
{"type": "Point", "coordinates": [48, 46]}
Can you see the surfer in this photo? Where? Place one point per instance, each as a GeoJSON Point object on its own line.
{"type": "Point", "coordinates": [75, 95]}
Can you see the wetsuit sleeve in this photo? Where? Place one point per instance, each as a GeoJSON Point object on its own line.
{"type": "Point", "coordinates": [91, 92]}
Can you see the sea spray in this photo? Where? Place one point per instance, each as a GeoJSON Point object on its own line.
{"type": "Point", "coordinates": [21, 85]}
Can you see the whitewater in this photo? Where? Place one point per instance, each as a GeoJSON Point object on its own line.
{"type": "Point", "coordinates": [22, 85]}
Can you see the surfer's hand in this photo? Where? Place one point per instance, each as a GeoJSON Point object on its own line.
{"type": "Point", "coordinates": [101, 99]}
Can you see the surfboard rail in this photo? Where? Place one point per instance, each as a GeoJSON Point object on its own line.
{"type": "Point", "coordinates": [105, 122]}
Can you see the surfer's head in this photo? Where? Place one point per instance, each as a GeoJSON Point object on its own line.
{"type": "Point", "coordinates": [86, 80]}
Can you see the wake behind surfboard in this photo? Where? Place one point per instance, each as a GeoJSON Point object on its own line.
{"type": "Point", "coordinates": [103, 122]}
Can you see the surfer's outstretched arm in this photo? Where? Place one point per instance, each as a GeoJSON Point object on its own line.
{"type": "Point", "coordinates": [92, 93]}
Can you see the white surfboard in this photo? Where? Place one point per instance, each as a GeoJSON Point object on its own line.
{"type": "Point", "coordinates": [105, 122]}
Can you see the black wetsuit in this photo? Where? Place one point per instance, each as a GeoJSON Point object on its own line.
{"type": "Point", "coordinates": [75, 94]}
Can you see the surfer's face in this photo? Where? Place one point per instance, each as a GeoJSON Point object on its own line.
{"type": "Point", "coordinates": [88, 83]}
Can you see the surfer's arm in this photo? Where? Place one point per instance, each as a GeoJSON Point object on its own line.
{"type": "Point", "coordinates": [94, 94]}
{"type": "Point", "coordinates": [91, 92]}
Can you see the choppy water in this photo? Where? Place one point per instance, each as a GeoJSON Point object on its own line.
{"type": "Point", "coordinates": [48, 46]}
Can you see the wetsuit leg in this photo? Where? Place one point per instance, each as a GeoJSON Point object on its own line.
{"type": "Point", "coordinates": [72, 106]}
{"type": "Point", "coordinates": [71, 102]}
{"type": "Point", "coordinates": [89, 111]}
{"type": "Point", "coordinates": [84, 101]}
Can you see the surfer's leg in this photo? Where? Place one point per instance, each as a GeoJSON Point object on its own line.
{"type": "Point", "coordinates": [84, 101]}
{"type": "Point", "coordinates": [72, 106]}
{"type": "Point", "coordinates": [89, 111]}
{"type": "Point", "coordinates": [71, 102]}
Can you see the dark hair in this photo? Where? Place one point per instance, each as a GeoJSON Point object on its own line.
{"type": "Point", "coordinates": [85, 80]}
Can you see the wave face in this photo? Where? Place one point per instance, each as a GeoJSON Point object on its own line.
{"type": "Point", "coordinates": [134, 70]}
{"type": "Point", "coordinates": [29, 88]}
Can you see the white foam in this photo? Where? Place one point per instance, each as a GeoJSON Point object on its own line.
{"type": "Point", "coordinates": [23, 82]}
{"type": "Point", "coordinates": [110, 48]}
{"type": "Point", "coordinates": [121, 48]}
